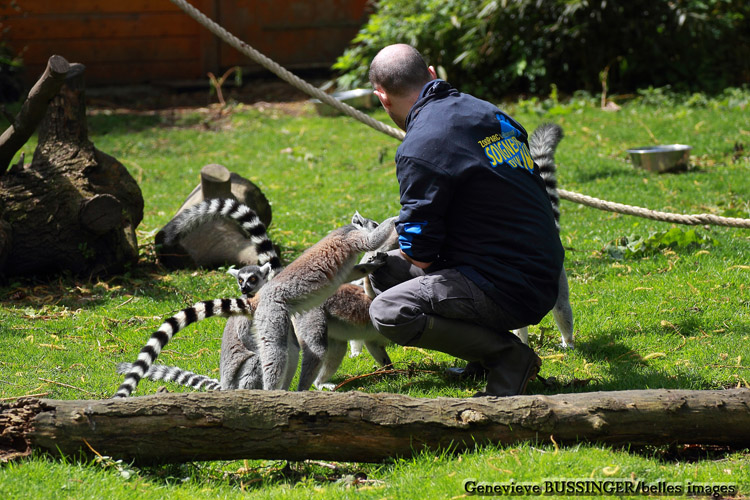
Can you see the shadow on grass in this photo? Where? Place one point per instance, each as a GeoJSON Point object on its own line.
{"type": "Point", "coordinates": [144, 280]}
{"type": "Point", "coordinates": [402, 378]}
{"type": "Point", "coordinates": [121, 124]}
{"type": "Point", "coordinates": [601, 170]}
{"type": "Point", "coordinates": [629, 369]}
{"type": "Point", "coordinates": [621, 367]}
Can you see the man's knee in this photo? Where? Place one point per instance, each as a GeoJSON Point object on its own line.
{"type": "Point", "coordinates": [396, 322]}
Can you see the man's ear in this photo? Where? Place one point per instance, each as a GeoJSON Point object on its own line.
{"type": "Point", "coordinates": [433, 73]}
{"type": "Point", "coordinates": [383, 97]}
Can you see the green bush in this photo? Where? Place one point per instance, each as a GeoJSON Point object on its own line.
{"type": "Point", "coordinates": [495, 47]}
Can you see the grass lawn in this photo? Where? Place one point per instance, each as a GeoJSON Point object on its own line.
{"type": "Point", "coordinates": [673, 312]}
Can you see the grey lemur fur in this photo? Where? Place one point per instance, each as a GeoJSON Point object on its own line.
{"type": "Point", "coordinates": [344, 317]}
{"type": "Point", "coordinates": [225, 209]}
{"type": "Point", "coordinates": [542, 144]}
{"type": "Point", "coordinates": [304, 284]}
{"type": "Point", "coordinates": [323, 332]}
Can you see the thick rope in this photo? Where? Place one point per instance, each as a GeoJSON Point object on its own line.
{"type": "Point", "coordinates": [690, 220]}
{"type": "Point", "coordinates": [300, 84]}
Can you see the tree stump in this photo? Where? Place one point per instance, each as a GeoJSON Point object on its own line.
{"type": "Point", "coordinates": [217, 242]}
{"type": "Point", "coordinates": [33, 109]}
{"type": "Point", "coordinates": [73, 208]}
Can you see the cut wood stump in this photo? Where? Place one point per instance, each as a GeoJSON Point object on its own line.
{"type": "Point", "coordinates": [356, 426]}
{"type": "Point", "coordinates": [73, 208]}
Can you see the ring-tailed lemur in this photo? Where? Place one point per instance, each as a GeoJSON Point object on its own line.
{"type": "Point", "coordinates": [227, 209]}
{"type": "Point", "coordinates": [542, 145]}
{"type": "Point", "coordinates": [184, 222]}
{"type": "Point", "coordinates": [345, 316]}
{"type": "Point", "coordinates": [308, 281]}
{"type": "Point", "coordinates": [239, 365]}
{"type": "Point", "coordinates": [304, 284]}
{"type": "Point", "coordinates": [324, 331]}
{"type": "Point", "coordinates": [250, 279]}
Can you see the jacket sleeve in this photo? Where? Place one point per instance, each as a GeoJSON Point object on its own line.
{"type": "Point", "coordinates": [426, 193]}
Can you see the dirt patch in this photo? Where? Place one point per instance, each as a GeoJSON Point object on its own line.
{"type": "Point", "coordinates": [268, 93]}
{"type": "Point", "coordinates": [175, 101]}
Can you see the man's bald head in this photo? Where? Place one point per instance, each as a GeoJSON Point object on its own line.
{"type": "Point", "coordinates": [399, 70]}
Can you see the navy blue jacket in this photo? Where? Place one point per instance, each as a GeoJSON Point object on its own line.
{"type": "Point", "coordinates": [472, 199]}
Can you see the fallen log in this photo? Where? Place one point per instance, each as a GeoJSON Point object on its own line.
{"type": "Point", "coordinates": [356, 426]}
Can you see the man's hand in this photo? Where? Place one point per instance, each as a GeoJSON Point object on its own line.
{"type": "Point", "coordinates": [419, 264]}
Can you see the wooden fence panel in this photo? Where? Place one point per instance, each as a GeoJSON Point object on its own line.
{"type": "Point", "coordinates": [141, 41]}
{"type": "Point", "coordinates": [293, 33]}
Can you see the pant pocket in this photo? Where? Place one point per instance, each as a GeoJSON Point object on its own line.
{"type": "Point", "coordinates": [450, 295]}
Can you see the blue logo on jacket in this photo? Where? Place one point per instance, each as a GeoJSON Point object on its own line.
{"type": "Point", "coordinates": [407, 233]}
{"type": "Point", "coordinates": [506, 128]}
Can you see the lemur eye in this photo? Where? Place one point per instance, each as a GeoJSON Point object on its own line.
{"type": "Point", "coordinates": [253, 279]}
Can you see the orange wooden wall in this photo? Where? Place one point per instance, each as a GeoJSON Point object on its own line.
{"type": "Point", "coordinates": [141, 41]}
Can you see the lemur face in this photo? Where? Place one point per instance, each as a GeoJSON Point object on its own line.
{"type": "Point", "coordinates": [249, 283]}
{"type": "Point", "coordinates": [250, 279]}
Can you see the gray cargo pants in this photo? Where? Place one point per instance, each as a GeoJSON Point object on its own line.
{"type": "Point", "coordinates": [407, 297]}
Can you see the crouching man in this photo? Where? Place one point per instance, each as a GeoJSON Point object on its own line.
{"type": "Point", "coordinates": [479, 253]}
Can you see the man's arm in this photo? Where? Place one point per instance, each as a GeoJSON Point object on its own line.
{"type": "Point", "coordinates": [425, 194]}
{"type": "Point", "coordinates": [421, 265]}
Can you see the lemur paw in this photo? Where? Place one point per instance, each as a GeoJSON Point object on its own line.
{"type": "Point", "coordinates": [326, 387]}
{"type": "Point", "coordinates": [365, 268]}
{"type": "Point", "coordinates": [379, 258]}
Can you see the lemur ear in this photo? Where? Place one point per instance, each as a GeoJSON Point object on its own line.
{"type": "Point", "coordinates": [357, 219]}
{"type": "Point", "coordinates": [265, 269]}
{"type": "Point", "coordinates": [234, 272]}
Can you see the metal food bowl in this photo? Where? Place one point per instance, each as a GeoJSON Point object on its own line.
{"type": "Point", "coordinates": [666, 158]}
{"type": "Point", "coordinates": [357, 98]}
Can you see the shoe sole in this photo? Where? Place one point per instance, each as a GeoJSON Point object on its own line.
{"type": "Point", "coordinates": [532, 372]}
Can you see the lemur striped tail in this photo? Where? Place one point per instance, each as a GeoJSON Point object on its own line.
{"type": "Point", "coordinates": [542, 145]}
{"type": "Point", "coordinates": [225, 208]}
{"type": "Point", "coordinates": [175, 374]}
{"type": "Point", "coordinates": [161, 337]}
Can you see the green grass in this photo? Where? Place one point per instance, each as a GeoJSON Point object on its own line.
{"type": "Point", "coordinates": [665, 318]}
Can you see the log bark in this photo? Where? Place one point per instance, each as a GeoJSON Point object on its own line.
{"type": "Point", "coordinates": [33, 109]}
{"type": "Point", "coordinates": [356, 426]}
{"type": "Point", "coordinates": [73, 208]}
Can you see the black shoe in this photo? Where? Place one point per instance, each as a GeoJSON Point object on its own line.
{"type": "Point", "coordinates": [504, 380]}
{"type": "Point", "coordinates": [510, 362]}
{"type": "Point", "coordinates": [472, 370]}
